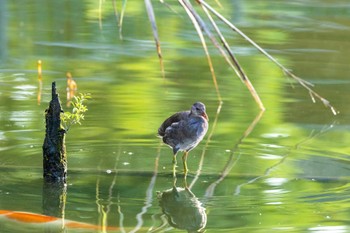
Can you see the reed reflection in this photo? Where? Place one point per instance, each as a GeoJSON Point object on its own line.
{"type": "Point", "coordinates": [72, 87]}
{"type": "Point", "coordinates": [40, 82]}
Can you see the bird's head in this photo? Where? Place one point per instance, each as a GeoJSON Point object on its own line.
{"type": "Point", "coordinates": [198, 109]}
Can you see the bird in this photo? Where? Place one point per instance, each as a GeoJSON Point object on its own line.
{"type": "Point", "coordinates": [184, 130]}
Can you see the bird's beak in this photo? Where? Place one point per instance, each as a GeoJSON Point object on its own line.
{"type": "Point", "coordinates": [205, 116]}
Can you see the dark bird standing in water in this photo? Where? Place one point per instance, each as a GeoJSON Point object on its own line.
{"type": "Point", "coordinates": [184, 130]}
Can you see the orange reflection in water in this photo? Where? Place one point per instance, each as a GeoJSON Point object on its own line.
{"type": "Point", "coordinates": [72, 87]}
{"type": "Point", "coordinates": [33, 218]}
{"type": "Point", "coordinates": [40, 81]}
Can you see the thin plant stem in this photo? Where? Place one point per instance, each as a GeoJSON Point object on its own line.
{"type": "Point", "coordinates": [202, 39]}
{"type": "Point", "coordinates": [100, 14]}
{"type": "Point", "coordinates": [149, 195]}
{"type": "Point", "coordinates": [199, 170]}
{"type": "Point", "coordinates": [232, 61]}
{"type": "Point", "coordinates": [122, 19]}
{"type": "Point", "coordinates": [152, 20]}
{"type": "Point", "coordinates": [116, 12]}
{"type": "Point", "coordinates": [284, 157]}
{"type": "Point", "coordinates": [307, 85]}
{"type": "Point", "coordinates": [231, 161]}
{"type": "Point", "coordinates": [239, 68]}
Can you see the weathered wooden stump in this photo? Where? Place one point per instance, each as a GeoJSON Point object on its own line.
{"type": "Point", "coordinates": [54, 150]}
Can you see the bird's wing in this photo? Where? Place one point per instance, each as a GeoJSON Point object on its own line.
{"type": "Point", "coordinates": [172, 119]}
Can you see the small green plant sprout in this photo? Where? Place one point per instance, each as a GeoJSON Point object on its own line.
{"type": "Point", "coordinates": [77, 115]}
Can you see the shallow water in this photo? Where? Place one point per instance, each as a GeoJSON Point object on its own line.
{"type": "Point", "coordinates": [286, 170]}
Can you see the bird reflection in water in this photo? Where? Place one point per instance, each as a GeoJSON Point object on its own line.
{"type": "Point", "coordinates": [182, 209]}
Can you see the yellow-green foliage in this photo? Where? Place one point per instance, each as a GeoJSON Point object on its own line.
{"type": "Point", "coordinates": [77, 115]}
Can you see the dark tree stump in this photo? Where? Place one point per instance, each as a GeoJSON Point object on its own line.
{"type": "Point", "coordinates": [54, 150]}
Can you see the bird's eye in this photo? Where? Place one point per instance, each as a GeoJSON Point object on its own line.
{"type": "Point", "coordinates": [197, 109]}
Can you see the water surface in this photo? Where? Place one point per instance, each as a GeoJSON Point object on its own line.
{"type": "Point", "coordinates": [286, 170]}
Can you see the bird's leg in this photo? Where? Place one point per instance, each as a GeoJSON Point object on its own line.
{"type": "Point", "coordinates": [174, 178]}
{"type": "Point", "coordinates": [184, 161]}
{"type": "Point", "coordinates": [174, 167]}
{"type": "Point", "coordinates": [185, 181]}
{"type": "Point", "coordinates": [174, 160]}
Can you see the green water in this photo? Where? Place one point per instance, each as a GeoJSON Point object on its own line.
{"type": "Point", "coordinates": [287, 171]}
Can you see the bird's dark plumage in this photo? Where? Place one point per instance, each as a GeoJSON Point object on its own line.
{"type": "Point", "coordinates": [184, 130]}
